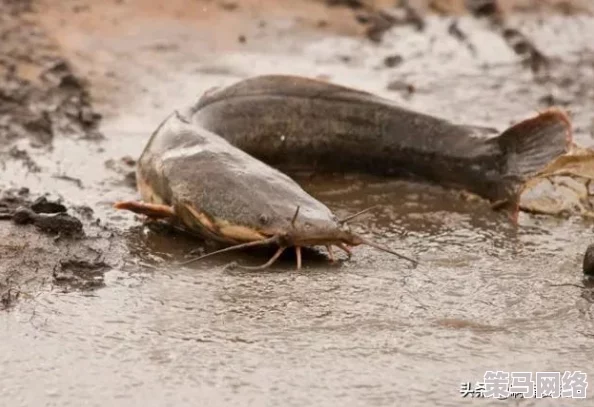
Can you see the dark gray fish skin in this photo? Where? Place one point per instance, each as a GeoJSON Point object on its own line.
{"type": "Point", "coordinates": [185, 165]}
{"type": "Point", "coordinates": [296, 123]}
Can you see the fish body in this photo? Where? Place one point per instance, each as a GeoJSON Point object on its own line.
{"type": "Point", "coordinates": [296, 123]}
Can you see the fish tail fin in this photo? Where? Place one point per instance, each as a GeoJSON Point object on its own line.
{"type": "Point", "coordinates": [532, 143]}
{"type": "Point", "coordinates": [528, 146]}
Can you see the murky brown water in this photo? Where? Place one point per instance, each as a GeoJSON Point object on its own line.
{"type": "Point", "coordinates": [368, 332]}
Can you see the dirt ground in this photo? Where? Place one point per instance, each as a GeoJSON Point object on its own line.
{"type": "Point", "coordinates": [83, 83]}
{"type": "Point", "coordinates": [66, 66]}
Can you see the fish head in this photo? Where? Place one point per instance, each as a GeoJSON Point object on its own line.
{"type": "Point", "coordinates": [241, 201]}
{"type": "Point", "coordinates": [299, 221]}
{"type": "Point", "coordinates": [316, 232]}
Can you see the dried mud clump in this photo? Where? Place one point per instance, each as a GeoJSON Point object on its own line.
{"type": "Point", "coordinates": [42, 245]}
{"type": "Point", "coordinates": [11, 199]}
{"type": "Point", "coordinates": [59, 224]}
{"type": "Point", "coordinates": [46, 215]}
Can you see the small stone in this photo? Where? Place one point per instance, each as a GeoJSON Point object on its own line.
{"type": "Point", "coordinates": [393, 60]}
{"type": "Point", "coordinates": [588, 264]}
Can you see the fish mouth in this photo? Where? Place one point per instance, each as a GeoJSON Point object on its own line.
{"type": "Point", "coordinates": [241, 237]}
{"type": "Point", "coordinates": [284, 238]}
{"type": "Point", "coordinates": [314, 238]}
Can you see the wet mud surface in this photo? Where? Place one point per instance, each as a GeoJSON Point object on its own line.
{"type": "Point", "coordinates": [95, 311]}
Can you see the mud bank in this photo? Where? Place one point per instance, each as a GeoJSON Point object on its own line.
{"type": "Point", "coordinates": [41, 99]}
{"type": "Point", "coordinates": [107, 305]}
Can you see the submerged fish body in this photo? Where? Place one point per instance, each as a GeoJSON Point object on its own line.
{"type": "Point", "coordinates": [564, 187]}
{"type": "Point", "coordinates": [300, 123]}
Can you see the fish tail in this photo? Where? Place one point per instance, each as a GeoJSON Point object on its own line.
{"type": "Point", "coordinates": [528, 146]}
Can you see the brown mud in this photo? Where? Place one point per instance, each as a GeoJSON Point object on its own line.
{"type": "Point", "coordinates": [41, 101]}
{"type": "Point", "coordinates": [96, 311]}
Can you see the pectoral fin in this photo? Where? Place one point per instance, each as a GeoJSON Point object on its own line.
{"type": "Point", "coordinates": [155, 211]}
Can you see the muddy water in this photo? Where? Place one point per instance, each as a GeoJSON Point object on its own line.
{"type": "Point", "coordinates": [366, 332]}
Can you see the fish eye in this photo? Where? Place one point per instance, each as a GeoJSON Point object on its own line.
{"type": "Point", "coordinates": [263, 219]}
